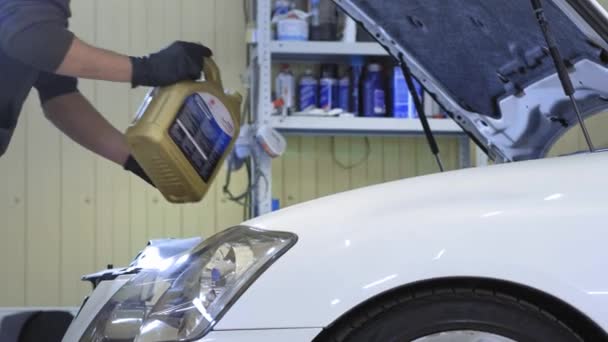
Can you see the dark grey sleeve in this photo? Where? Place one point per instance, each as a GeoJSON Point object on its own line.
{"type": "Point", "coordinates": [35, 33]}
{"type": "Point", "coordinates": [50, 86]}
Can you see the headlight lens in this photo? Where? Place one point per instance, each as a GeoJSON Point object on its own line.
{"type": "Point", "coordinates": [182, 297]}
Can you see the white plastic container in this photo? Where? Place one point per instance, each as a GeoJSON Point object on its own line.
{"type": "Point", "coordinates": [292, 29]}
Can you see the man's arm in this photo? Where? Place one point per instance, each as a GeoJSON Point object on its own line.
{"type": "Point", "coordinates": [85, 61]}
{"type": "Point", "coordinates": [74, 115]}
{"type": "Point", "coordinates": [38, 36]}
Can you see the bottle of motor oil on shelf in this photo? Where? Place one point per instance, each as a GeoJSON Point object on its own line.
{"type": "Point", "coordinates": [344, 93]}
{"type": "Point", "coordinates": [328, 88]}
{"type": "Point", "coordinates": [285, 87]}
{"type": "Point", "coordinates": [182, 134]}
{"type": "Point", "coordinates": [356, 76]}
{"type": "Point", "coordinates": [308, 91]}
{"type": "Point", "coordinates": [402, 102]}
{"type": "Point", "coordinates": [400, 97]}
{"type": "Point", "coordinates": [374, 96]}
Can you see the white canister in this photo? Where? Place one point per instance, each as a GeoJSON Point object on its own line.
{"type": "Point", "coordinates": [292, 29]}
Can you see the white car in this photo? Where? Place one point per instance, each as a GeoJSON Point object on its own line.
{"type": "Point", "coordinates": [514, 252]}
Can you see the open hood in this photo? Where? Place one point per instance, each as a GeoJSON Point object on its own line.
{"type": "Point", "coordinates": [487, 64]}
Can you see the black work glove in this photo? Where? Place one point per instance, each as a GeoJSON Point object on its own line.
{"type": "Point", "coordinates": [133, 166]}
{"type": "Point", "coordinates": [178, 62]}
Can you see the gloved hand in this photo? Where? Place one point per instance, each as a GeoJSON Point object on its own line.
{"type": "Point", "coordinates": [133, 166]}
{"type": "Point", "coordinates": [178, 62]}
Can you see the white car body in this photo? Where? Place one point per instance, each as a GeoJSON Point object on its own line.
{"type": "Point", "coordinates": [539, 224]}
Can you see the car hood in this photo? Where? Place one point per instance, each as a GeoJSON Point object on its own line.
{"type": "Point", "coordinates": [458, 195]}
{"type": "Point", "coordinates": [486, 63]}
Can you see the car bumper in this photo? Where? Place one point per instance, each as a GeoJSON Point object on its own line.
{"type": "Point", "coordinates": [270, 335]}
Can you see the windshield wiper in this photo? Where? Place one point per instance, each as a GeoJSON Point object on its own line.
{"type": "Point", "coordinates": [562, 71]}
{"type": "Point", "coordinates": [428, 132]}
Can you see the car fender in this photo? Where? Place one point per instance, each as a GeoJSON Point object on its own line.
{"type": "Point", "coordinates": [540, 224]}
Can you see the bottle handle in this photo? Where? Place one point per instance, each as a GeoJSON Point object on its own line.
{"type": "Point", "coordinates": [212, 71]}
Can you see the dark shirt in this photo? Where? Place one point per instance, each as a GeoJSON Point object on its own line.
{"type": "Point", "coordinates": [34, 39]}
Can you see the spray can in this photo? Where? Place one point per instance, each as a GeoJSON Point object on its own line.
{"type": "Point", "coordinates": [285, 88]}
{"type": "Point", "coordinates": [308, 91]}
{"type": "Point", "coordinates": [356, 75]}
{"type": "Point", "coordinates": [374, 97]}
{"type": "Point", "coordinates": [328, 88]}
{"type": "Point", "coordinates": [344, 93]}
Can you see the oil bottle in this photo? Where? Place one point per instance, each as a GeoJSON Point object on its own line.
{"type": "Point", "coordinates": [182, 134]}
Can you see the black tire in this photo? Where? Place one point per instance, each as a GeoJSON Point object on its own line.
{"type": "Point", "coordinates": [410, 316]}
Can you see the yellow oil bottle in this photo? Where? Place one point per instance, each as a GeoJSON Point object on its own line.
{"type": "Point", "coordinates": [183, 133]}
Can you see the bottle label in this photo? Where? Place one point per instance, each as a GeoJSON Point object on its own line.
{"type": "Point", "coordinates": [401, 96]}
{"type": "Point", "coordinates": [327, 96]}
{"type": "Point", "coordinates": [379, 102]}
{"type": "Point", "coordinates": [286, 89]}
{"type": "Point", "coordinates": [308, 96]}
{"type": "Point", "coordinates": [335, 96]}
{"type": "Point", "coordinates": [203, 130]}
{"type": "Point", "coordinates": [344, 102]}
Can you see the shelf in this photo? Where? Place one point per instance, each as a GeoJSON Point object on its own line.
{"type": "Point", "coordinates": [293, 50]}
{"type": "Point", "coordinates": [304, 125]}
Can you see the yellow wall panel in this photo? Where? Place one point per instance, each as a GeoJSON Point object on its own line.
{"type": "Point", "coordinates": [13, 203]}
{"type": "Point", "coordinates": [78, 188]}
{"type": "Point", "coordinates": [43, 205]}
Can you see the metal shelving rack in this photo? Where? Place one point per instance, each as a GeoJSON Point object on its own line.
{"type": "Point", "coordinates": [264, 51]}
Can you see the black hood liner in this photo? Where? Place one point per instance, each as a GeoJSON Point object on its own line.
{"type": "Point", "coordinates": [479, 50]}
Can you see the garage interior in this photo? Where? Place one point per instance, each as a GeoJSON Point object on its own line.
{"type": "Point", "coordinates": [68, 213]}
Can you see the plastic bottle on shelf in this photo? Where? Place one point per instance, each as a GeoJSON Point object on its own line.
{"type": "Point", "coordinates": [308, 91]}
{"type": "Point", "coordinates": [374, 95]}
{"type": "Point", "coordinates": [285, 88]}
{"type": "Point", "coordinates": [402, 102]}
{"type": "Point", "coordinates": [328, 88]}
{"type": "Point", "coordinates": [314, 8]}
{"type": "Point", "coordinates": [344, 93]}
{"type": "Point", "coordinates": [400, 96]}
{"type": "Point", "coordinates": [323, 20]}
{"type": "Point", "coordinates": [357, 67]}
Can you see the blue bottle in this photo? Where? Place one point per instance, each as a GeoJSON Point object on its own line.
{"type": "Point", "coordinates": [344, 93]}
{"type": "Point", "coordinates": [328, 92]}
{"type": "Point", "coordinates": [400, 96]}
{"type": "Point", "coordinates": [356, 76]}
{"type": "Point", "coordinates": [308, 91]}
{"type": "Point", "coordinates": [402, 102]}
{"type": "Point", "coordinates": [336, 94]}
{"type": "Point", "coordinates": [374, 96]}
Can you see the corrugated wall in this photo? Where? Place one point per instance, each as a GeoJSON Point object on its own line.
{"type": "Point", "coordinates": [67, 213]}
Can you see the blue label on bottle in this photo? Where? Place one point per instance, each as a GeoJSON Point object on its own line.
{"type": "Point", "coordinates": [379, 102]}
{"type": "Point", "coordinates": [202, 134]}
{"type": "Point", "coordinates": [344, 95]}
{"type": "Point", "coordinates": [327, 94]}
{"type": "Point", "coordinates": [335, 96]}
{"type": "Point", "coordinates": [401, 95]}
{"type": "Point", "coordinates": [308, 95]}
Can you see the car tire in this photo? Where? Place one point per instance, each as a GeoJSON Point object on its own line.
{"type": "Point", "coordinates": [413, 316]}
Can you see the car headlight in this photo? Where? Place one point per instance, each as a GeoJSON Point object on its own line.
{"type": "Point", "coordinates": [181, 298]}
